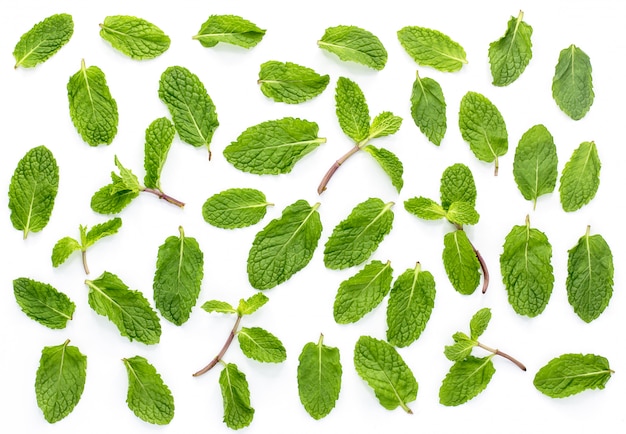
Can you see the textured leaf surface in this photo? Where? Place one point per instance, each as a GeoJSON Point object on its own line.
{"type": "Point", "coordinates": [432, 48]}
{"type": "Point", "coordinates": [462, 213]}
{"type": "Point", "coordinates": [148, 396]}
{"type": "Point", "coordinates": [43, 40]}
{"type": "Point", "coordinates": [385, 124]}
{"type": "Point", "coordinates": [428, 108]}
{"type": "Point", "coordinates": [461, 348]}
{"type": "Point", "coordinates": [135, 37]}
{"type": "Point", "coordinates": [112, 198]}
{"type": "Point", "coordinates": [236, 397]}
{"type": "Point", "coordinates": [290, 83]}
{"type": "Point", "coordinates": [352, 110]}
{"type": "Point", "coordinates": [465, 380]}
{"type": "Point", "coordinates": [479, 322]}
{"type": "Point", "coordinates": [354, 239]}
{"type": "Point", "coordinates": [353, 44]}
{"type": "Point", "coordinates": [509, 56]}
{"type": "Point", "coordinates": [572, 85]}
{"type": "Point", "coordinates": [247, 306]}
{"type": "Point", "coordinates": [235, 208]}
{"type": "Point", "coordinates": [390, 163]}
{"type": "Point", "coordinates": [580, 178]}
{"type": "Point", "coordinates": [159, 137]}
{"type": "Point", "coordinates": [218, 306]}
{"type": "Point", "coordinates": [229, 29]}
{"type": "Point", "coordinates": [63, 249]}
{"type": "Point", "coordinates": [460, 262]}
{"type": "Point", "coordinates": [457, 185]}
{"type": "Point", "coordinates": [570, 374]}
{"type": "Point", "coordinates": [424, 208]}
{"type": "Point", "coordinates": [43, 303]}
{"type": "Point", "coordinates": [260, 345]}
{"type": "Point", "coordinates": [101, 230]}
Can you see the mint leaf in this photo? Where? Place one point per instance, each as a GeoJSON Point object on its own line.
{"type": "Point", "coordinates": [319, 378]}
{"type": "Point", "coordinates": [43, 40]}
{"type": "Point", "coordinates": [526, 268]}
{"type": "Point", "coordinates": [191, 107]}
{"type": "Point", "coordinates": [229, 29]}
{"type": "Point", "coordinates": [509, 56]}
{"type": "Point", "coordinates": [457, 185]}
{"type": "Point", "coordinates": [570, 374]}
{"type": "Point", "coordinates": [353, 44]}
{"type": "Point", "coordinates": [580, 178]}
{"type": "Point", "coordinates": [465, 380]}
{"type": "Point", "coordinates": [33, 189]}
{"type": "Point", "coordinates": [159, 137]}
{"type": "Point", "coordinates": [63, 249]}
{"type": "Point", "coordinates": [178, 277]}
{"type": "Point", "coordinates": [92, 108]}
{"type": "Point", "coordinates": [260, 345]}
{"type": "Point", "coordinates": [252, 304]}
{"type": "Point", "coordinates": [148, 396]}
{"type": "Point", "coordinates": [235, 208]}
{"type": "Point", "coordinates": [461, 348]}
{"type": "Point", "coordinates": [114, 197]}
{"type": "Point", "coordinates": [380, 365]}
{"type": "Point", "coordinates": [428, 108]}
{"type": "Point", "coordinates": [273, 147]}
{"type": "Point", "coordinates": [462, 213]}
{"type": "Point", "coordinates": [356, 237]}
{"type": "Point", "coordinates": [572, 85]}
{"type": "Point", "coordinates": [411, 302]}
{"type": "Point", "coordinates": [284, 246]}
{"type": "Point", "coordinates": [352, 111]}
{"type": "Point", "coordinates": [535, 163]}
{"type": "Point", "coordinates": [590, 273]}
{"type": "Point", "coordinates": [483, 127]}
{"type": "Point", "coordinates": [424, 208]}
{"type": "Point", "coordinates": [101, 230]}
{"type": "Point", "coordinates": [460, 262]}
{"type": "Point", "coordinates": [479, 322]}
{"type": "Point", "coordinates": [361, 293]}
{"type": "Point", "coordinates": [218, 306]}
{"type": "Point", "coordinates": [60, 380]}
{"type": "Point", "coordinates": [432, 48]}
{"type": "Point", "coordinates": [236, 396]}
{"type": "Point", "coordinates": [135, 37]}
{"type": "Point", "coordinates": [43, 303]}
{"type": "Point", "coordinates": [127, 309]}
{"type": "Point", "coordinates": [389, 163]}
{"type": "Point", "coordinates": [385, 124]}
{"type": "Point", "coordinates": [289, 82]}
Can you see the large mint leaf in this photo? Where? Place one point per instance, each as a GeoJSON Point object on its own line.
{"type": "Point", "coordinates": [148, 396]}
{"type": "Point", "coordinates": [509, 55]}
{"type": "Point", "coordinates": [354, 44]}
{"type": "Point", "coordinates": [43, 40]}
{"type": "Point", "coordinates": [572, 85]}
{"type": "Point", "coordinates": [570, 374]}
{"type": "Point", "coordinates": [238, 413]}
{"type": "Point", "coordinates": [135, 37]}
{"type": "Point", "coordinates": [352, 110]}
{"type": "Point", "coordinates": [43, 303]}
{"type": "Point", "coordinates": [432, 48]}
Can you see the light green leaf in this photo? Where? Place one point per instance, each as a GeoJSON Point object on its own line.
{"type": "Point", "coordinates": [361, 293]}
{"type": "Point", "coordinates": [148, 396]}
{"type": "Point", "coordinates": [289, 82]}
{"type": "Point", "coordinates": [135, 37]}
{"type": "Point", "coordinates": [457, 185]}
{"type": "Point", "coordinates": [424, 208]}
{"type": "Point", "coordinates": [385, 124]}
{"type": "Point", "coordinates": [235, 208]}
{"type": "Point", "coordinates": [63, 249]}
{"type": "Point", "coordinates": [483, 127]}
{"type": "Point", "coordinates": [479, 322]}
{"type": "Point", "coordinates": [572, 85]}
{"type": "Point", "coordinates": [251, 304]}
{"type": "Point", "coordinates": [319, 378]}
{"type": "Point", "coordinates": [570, 374]}
{"type": "Point", "coordinates": [43, 303]}
{"type": "Point", "coordinates": [236, 396]}
{"type": "Point", "coordinates": [462, 213]}
{"type": "Point", "coordinates": [218, 306]}
{"type": "Point", "coordinates": [352, 110]}
{"type": "Point", "coordinates": [390, 163]}
{"type": "Point", "coordinates": [460, 262]}
{"type": "Point", "coordinates": [353, 44]}
{"type": "Point", "coordinates": [260, 345]}
{"type": "Point", "coordinates": [465, 380]}
{"type": "Point", "coordinates": [380, 365]}
{"type": "Point", "coordinates": [43, 40]}
{"type": "Point", "coordinates": [461, 348]}
{"type": "Point", "coordinates": [112, 198]}
{"type": "Point", "coordinates": [159, 137]}
{"type": "Point", "coordinates": [509, 56]}
{"type": "Point", "coordinates": [273, 147]}
{"type": "Point", "coordinates": [285, 246]}
{"type": "Point", "coordinates": [102, 230]}
{"type": "Point", "coordinates": [229, 29]}
{"type": "Point", "coordinates": [60, 380]}
{"type": "Point", "coordinates": [355, 238]}
{"type": "Point", "coordinates": [92, 108]}
{"type": "Point", "coordinates": [129, 180]}
{"type": "Point", "coordinates": [590, 273]}
{"type": "Point", "coordinates": [428, 108]}
{"type": "Point", "coordinates": [411, 302]}
{"type": "Point", "coordinates": [33, 189]}
{"type": "Point", "coordinates": [432, 48]}
{"type": "Point", "coordinates": [580, 178]}
{"type": "Point", "coordinates": [526, 268]}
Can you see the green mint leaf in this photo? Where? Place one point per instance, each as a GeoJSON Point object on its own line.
{"type": "Point", "coordinates": [385, 124]}
{"type": "Point", "coordinates": [352, 110]}
{"type": "Point", "coordinates": [461, 349]}
{"type": "Point", "coordinates": [509, 55]}
{"type": "Point", "coordinates": [460, 262]}
{"type": "Point", "coordinates": [159, 137]}
{"type": "Point", "coordinates": [135, 37]}
{"type": "Point", "coordinates": [411, 301]}
{"type": "Point", "coordinates": [465, 380]}
{"type": "Point", "coordinates": [526, 268]}
{"type": "Point", "coordinates": [424, 208]}
{"type": "Point", "coordinates": [252, 304]}
{"type": "Point", "coordinates": [273, 147]}
{"type": "Point", "coordinates": [353, 44]}
{"type": "Point", "coordinates": [428, 108]}
{"type": "Point", "coordinates": [229, 29]}
{"type": "Point", "coordinates": [535, 163]}
{"type": "Point", "coordinates": [63, 249]}
{"type": "Point", "coordinates": [260, 345]}
{"type": "Point", "coordinates": [361, 293]}
{"type": "Point", "coordinates": [462, 213]}
{"type": "Point", "coordinates": [92, 108]}
{"type": "Point", "coordinates": [218, 306]}
{"type": "Point", "coordinates": [355, 239]}
{"type": "Point", "coordinates": [432, 48]}
{"type": "Point", "coordinates": [43, 40]}
{"type": "Point", "coordinates": [580, 178]}
{"type": "Point", "coordinates": [112, 198]}
{"type": "Point", "coordinates": [483, 127]}
{"type": "Point", "coordinates": [319, 378]}
{"type": "Point", "coordinates": [33, 189]}
{"type": "Point", "coordinates": [127, 309]}
{"type": "Point", "coordinates": [235, 208]}
{"type": "Point", "coordinates": [236, 396]}
{"type": "Point", "coordinates": [178, 277]}
{"type": "Point", "coordinates": [60, 380]}
{"type": "Point", "coordinates": [101, 230]}
{"type": "Point", "coordinates": [479, 322]}
{"type": "Point", "coordinates": [572, 85]}
{"type": "Point", "coordinates": [129, 180]}
{"type": "Point", "coordinates": [43, 303]}
{"type": "Point", "coordinates": [380, 365]}
{"type": "Point", "coordinates": [390, 163]}
{"type": "Point", "coordinates": [285, 246]}
{"type": "Point", "coordinates": [590, 273]}
{"type": "Point", "coordinates": [457, 185]}
{"type": "Point", "coordinates": [289, 82]}
{"type": "Point", "coordinates": [148, 396]}
{"type": "Point", "coordinates": [191, 107]}
{"type": "Point", "coordinates": [570, 374]}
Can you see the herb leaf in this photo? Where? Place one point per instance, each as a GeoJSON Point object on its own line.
{"type": "Point", "coordinates": [218, 306]}
{"type": "Point", "coordinates": [457, 185]}
{"type": "Point", "coordinates": [101, 230]}
{"type": "Point", "coordinates": [385, 124]}
{"type": "Point", "coordinates": [353, 44]}
{"type": "Point", "coordinates": [135, 37]}
{"type": "Point", "coordinates": [389, 163]}
{"type": "Point", "coordinates": [509, 55]}
{"type": "Point", "coordinates": [432, 48]}
{"type": "Point", "coordinates": [462, 213]}
{"type": "Point", "coordinates": [159, 137]}
{"type": "Point", "coordinates": [428, 108]}
{"type": "Point", "coordinates": [235, 208]}
{"type": "Point", "coordinates": [465, 380]}
{"type": "Point", "coordinates": [114, 197]}
{"type": "Point", "coordinates": [33, 189]}
{"type": "Point", "coordinates": [424, 208]}
{"type": "Point", "coordinates": [43, 40]}
{"type": "Point", "coordinates": [461, 348]}
{"type": "Point", "coordinates": [580, 178]}
{"type": "Point", "coordinates": [352, 110]}
{"type": "Point", "coordinates": [250, 305]}
{"type": "Point", "coordinates": [460, 262]}
{"type": "Point", "coordinates": [289, 82]}
{"type": "Point", "coordinates": [260, 345]}
{"type": "Point", "coordinates": [236, 396]}
{"type": "Point", "coordinates": [572, 85]}
{"type": "Point", "coordinates": [570, 374]}
{"type": "Point", "coordinates": [43, 303]}
{"type": "Point", "coordinates": [148, 396]}
{"type": "Point", "coordinates": [230, 29]}
{"type": "Point", "coordinates": [479, 322]}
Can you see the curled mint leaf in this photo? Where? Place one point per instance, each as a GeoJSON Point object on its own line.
{"type": "Point", "coordinates": [354, 44]}
{"type": "Point", "coordinates": [229, 29]}
{"type": "Point", "coordinates": [580, 177]}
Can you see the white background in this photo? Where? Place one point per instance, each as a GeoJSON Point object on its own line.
{"type": "Point", "coordinates": [35, 112]}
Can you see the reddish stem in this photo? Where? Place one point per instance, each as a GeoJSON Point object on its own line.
{"type": "Point", "coordinates": [219, 356]}
{"type": "Point", "coordinates": [165, 197]}
{"type": "Point", "coordinates": [334, 168]}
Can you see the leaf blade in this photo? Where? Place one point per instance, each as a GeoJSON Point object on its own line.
{"type": "Point", "coordinates": [570, 374]}
{"type": "Point", "coordinates": [428, 108]}
{"type": "Point", "coordinates": [235, 208]}
{"type": "Point", "coordinates": [148, 396]}
{"type": "Point", "coordinates": [352, 110]}
{"type": "Point", "coordinates": [460, 262]}
{"type": "Point", "coordinates": [43, 303]}
{"type": "Point", "coordinates": [580, 178]}
{"type": "Point", "coordinates": [354, 44]}
{"type": "Point", "coordinates": [432, 48]}
{"type": "Point", "coordinates": [509, 56]}
{"type": "Point", "coordinates": [43, 40]}
{"type": "Point", "coordinates": [158, 141]}
{"type": "Point", "coordinates": [290, 83]}
{"type": "Point", "coordinates": [135, 37]}
{"type": "Point", "coordinates": [390, 163]}
{"type": "Point", "coordinates": [466, 379]}
{"type": "Point", "coordinates": [238, 412]}
{"type": "Point", "coordinates": [572, 84]}
{"type": "Point", "coordinates": [260, 345]}
{"type": "Point", "coordinates": [229, 29]}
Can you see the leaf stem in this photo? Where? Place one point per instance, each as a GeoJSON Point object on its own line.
{"type": "Point", "coordinates": [85, 266]}
{"type": "Point", "coordinates": [219, 356]}
{"type": "Point", "coordinates": [165, 197]}
{"type": "Point", "coordinates": [335, 166]}
{"type": "Point", "coordinates": [481, 261]}
{"type": "Point", "coordinates": [505, 355]}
